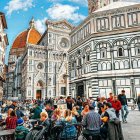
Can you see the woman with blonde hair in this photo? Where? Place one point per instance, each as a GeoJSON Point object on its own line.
{"type": "Point", "coordinates": [56, 114]}
{"type": "Point", "coordinates": [74, 111]}
{"type": "Point", "coordinates": [68, 117]}
{"type": "Point", "coordinates": [69, 130]}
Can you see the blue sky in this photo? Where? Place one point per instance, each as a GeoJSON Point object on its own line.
{"type": "Point", "coordinates": [19, 13]}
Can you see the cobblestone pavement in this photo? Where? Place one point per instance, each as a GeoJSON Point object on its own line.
{"type": "Point", "coordinates": [131, 130]}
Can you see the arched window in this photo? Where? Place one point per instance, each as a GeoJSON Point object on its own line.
{"type": "Point", "coordinates": [99, 66]}
{"type": "Point", "coordinates": [121, 65]}
{"type": "Point", "coordinates": [64, 56]}
{"type": "Point", "coordinates": [138, 51]}
{"type": "Point", "coordinates": [109, 66]}
{"type": "Point", "coordinates": [137, 48]}
{"type": "Point", "coordinates": [139, 63]}
{"type": "Point", "coordinates": [120, 52]}
{"type": "Point", "coordinates": [135, 64]}
{"type": "Point", "coordinates": [104, 66]}
{"type": "Point", "coordinates": [116, 65]}
{"type": "Point", "coordinates": [126, 64]}
{"type": "Point", "coordinates": [88, 57]}
{"type": "Point", "coordinates": [30, 52]}
{"type": "Point", "coordinates": [103, 53]}
{"type": "Point", "coordinates": [40, 54]}
{"type": "Point", "coordinates": [56, 56]}
{"type": "Point", "coordinates": [36, 54]}
{"type": "Point", "coordinates": [53, 56]}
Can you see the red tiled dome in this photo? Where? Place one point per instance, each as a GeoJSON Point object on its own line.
{"type": "Point", "coordinates": [31, 36]}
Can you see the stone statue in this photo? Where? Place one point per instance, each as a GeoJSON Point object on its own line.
{"type": "Point", "coordinates": [92, 6]}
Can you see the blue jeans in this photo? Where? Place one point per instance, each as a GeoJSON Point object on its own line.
{"type": "Point", "coordinates": [124, 111]}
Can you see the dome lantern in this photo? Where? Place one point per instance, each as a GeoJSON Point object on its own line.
{"type": "Point", "coordinates": [32, 23]}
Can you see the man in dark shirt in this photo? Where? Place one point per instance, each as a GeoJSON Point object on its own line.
{"type": "Point", "coordinates": [124, 109]}
{"type": "Point", "coordinates": [17, 110]}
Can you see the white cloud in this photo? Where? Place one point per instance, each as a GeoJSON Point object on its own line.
{"type": "Point", "coordinates": [40, 25]}
{"type": "Point", "coordinates": [16, 5]}
{"type": "Point", "coordinates": [80, 2]}
{"type": "Point", "coordinates": [59, 11]}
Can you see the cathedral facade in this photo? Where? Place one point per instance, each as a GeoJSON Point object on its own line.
{"type": "Point", "coordinates": [38, 63]}
{"type": "Point", "coordinates": [105, 52]}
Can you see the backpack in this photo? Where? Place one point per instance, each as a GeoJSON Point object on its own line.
{"type": "Point", "coordinates": [69, 131]}
{"type": "Point", "coordinates": [20, 135]}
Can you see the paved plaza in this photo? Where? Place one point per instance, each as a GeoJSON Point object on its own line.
{"type": "Point", "coordinates": [131, 130]}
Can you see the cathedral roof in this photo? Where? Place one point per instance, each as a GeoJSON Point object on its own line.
{"type": "Point", "coordinates": [31, 36]}
{"type": "Point", "coordinates": [116, 5]}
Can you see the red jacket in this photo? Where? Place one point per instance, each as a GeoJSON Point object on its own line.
{"type": "Point", "coordinates": [11, 122]}
{"type": "Point", "coordinates": [110, 100]}
{"type": "Point", "coordinates": [116, 105]}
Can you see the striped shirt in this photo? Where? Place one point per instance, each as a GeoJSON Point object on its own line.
{"type": "Point", "coordinates": [92, 121]}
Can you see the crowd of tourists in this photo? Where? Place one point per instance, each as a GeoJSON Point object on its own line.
{"type": "Point", "coordinates": [78, 119]}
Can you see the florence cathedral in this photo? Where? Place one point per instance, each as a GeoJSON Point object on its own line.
{"type": "Point", "coordinates": [98, 56]}
{"type": "Point", "coordinates": [38, 63]}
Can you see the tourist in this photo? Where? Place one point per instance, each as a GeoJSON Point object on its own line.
{"type": "Point", "coordinates": [79, 102]}
{"type": "Point", "coordinates": [110, 98]}
{"type": "Point", "coordinates": [100, 103]}
{"type": "Point", "coordinates": [124, 109]}
{"type": "Point", "coordinates": [86, 109]}
{"type": "Point", "coordinates": [68, 117]}
{"type": "Point", "coordinates": [56, 115]}
{"type": "Point", "coordinates": [111, 128]}
{"type": "Point", "coordinates": [75, 113]}
{"type": "Point", "coordinates": [44, 120]}
{"type": "Point", "coordinates": [11, 121]}
{"type": "Point", "coordinates": [49, 110]}
{"type": "Point", "coordinates": [19, 113]}
{"type": "Point", "coordinates": [9, 112]}
{"type": "Point", "coordinates": [21, 131]}
{"type": "Point", "coordinates": [91, 122]}
{"type": "Point", "coordinates": [69, 130]}
{"type": "Point", "coordinates": [98, 98]}
{"type": "Point", "coordinates": [36, 111]}
{"type": "Point", "coordinates": [13, 105]}
{"type": "Point", "coordinates": [116, 104]}
{"type": "Point", "coordinates": [61, 100]}
{"type": "Point", "coordinates": [69, 102]}
{"type": "Point", "coordinates": [138, 102]}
